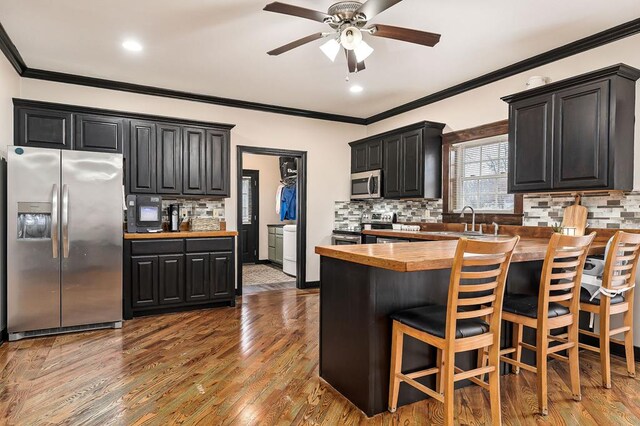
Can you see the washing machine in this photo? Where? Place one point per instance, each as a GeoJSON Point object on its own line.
{"type": "Point", "coordinates": [289, 242]}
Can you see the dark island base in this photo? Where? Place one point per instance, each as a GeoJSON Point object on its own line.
{"type": "Point", "coordinates": [355, 329]}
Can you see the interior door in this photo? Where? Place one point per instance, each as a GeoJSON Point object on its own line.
{"type": "Point", "coordinates": [250, 216]}
{"type": "Point", "coordinates": [91, 231]}
{"type": "Point", "coordinates": [33, 258]}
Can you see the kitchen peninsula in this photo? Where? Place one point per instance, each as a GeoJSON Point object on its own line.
{"type": "Point", "coordinates": [361, 285]}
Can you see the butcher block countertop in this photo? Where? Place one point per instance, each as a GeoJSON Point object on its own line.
{"type": "Point", "coordinates": [185, 234]}
{"type": "Point", "coordinates": [429, 255]}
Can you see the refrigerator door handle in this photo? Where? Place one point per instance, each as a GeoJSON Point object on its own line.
{"type": "Point", "coordinates": [55, 241]}
{"type": "Point", "coordinates": [65, 221]}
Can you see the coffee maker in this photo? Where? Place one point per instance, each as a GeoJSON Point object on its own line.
{"type": "Point", "coordinates": [174, 217]}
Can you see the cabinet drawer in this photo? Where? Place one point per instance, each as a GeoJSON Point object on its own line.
{"type": "Point", "coordinates": [209, 244]}
{"type": "Point", "coordinates": [157, 247]}
{"type": "Point", "coordinates": [279, 230]}
{"type": "Point", "coordinates": [272, 230]}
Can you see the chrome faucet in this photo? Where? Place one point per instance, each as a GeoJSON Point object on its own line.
{"type": "Point", "coordinates": [495, 228]}
{"type": "Point", "coordinates": [473, 216]}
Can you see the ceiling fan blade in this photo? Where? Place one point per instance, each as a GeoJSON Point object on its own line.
{"type": "Point", "coordinates": [405, 34]}
{"type": "Point", "coordinates": [360, 66]}
{"type": "Point", "coordinates": [352, 62]}
{"type": "Point", "coordinates": [294, 44]}
{"type": "Point", "coordinates": [372, 7]}
{"type": "Point", "coordinates": [300, 12]}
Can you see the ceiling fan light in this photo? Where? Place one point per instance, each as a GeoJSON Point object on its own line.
{"type": "Point", "coordinates": [331, 49]}
{"type": "Point", "coordinates": [362, 51]}
{"type": "Point", "coordinates": [350, 38]}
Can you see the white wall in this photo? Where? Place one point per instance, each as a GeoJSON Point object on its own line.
{"type": "Point", "coordinates": [268, 167]}
{"type": "Point", "coordinates": [483, 105]}
{"type": "Point", "coordinates": [9, 88]}
{"type": "Point", "coordinates": [324, 141]}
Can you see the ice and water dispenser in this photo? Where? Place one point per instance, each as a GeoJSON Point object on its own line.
{"type": "Point", "coordinates": [34, 221]}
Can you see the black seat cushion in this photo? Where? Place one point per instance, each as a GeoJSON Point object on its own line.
{"type": "Point", "coordinates": [527, 305]}
{"type": "Point", "coordinates": [585, 296]}
{"type": "Point", "coordinates": [432, 319]}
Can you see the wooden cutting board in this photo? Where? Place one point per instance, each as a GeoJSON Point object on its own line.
{"type": "Point", "coordinates": [575, 216]}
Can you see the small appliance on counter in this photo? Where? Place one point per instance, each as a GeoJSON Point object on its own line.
{"type": "Point", "coordinates": [366, 185]}
{"type": "Point", "coordinates": [144, 213]}
{"type": "Point", "coordinates": [174, 217]}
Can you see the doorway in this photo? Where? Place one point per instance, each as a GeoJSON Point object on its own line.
{"type": "Point", "coordinates": [250, 193]}
{"type": "Point", "coordinates": [293, 231]}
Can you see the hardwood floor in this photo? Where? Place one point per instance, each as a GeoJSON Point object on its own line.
{"type": "Point", "coordinates": [252, 364]}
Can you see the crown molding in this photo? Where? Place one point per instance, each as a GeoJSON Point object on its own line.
{"type": "Point", "coordinates": [596, 40]}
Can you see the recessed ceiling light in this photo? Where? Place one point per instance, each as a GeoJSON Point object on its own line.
{"type": "Point", "coordinates": [356, 89]}
{"type": "Point", "coordinates": [132, 45]}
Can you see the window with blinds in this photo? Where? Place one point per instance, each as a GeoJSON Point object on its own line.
{"type": "Point", "coordinates": [478, 176]}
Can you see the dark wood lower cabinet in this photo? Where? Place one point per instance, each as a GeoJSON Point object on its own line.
{"type": "Point", "coordinates": [163, 275]}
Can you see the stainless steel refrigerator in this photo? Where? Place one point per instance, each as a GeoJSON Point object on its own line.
{"type": "Point", "coordinates": [64, 241]}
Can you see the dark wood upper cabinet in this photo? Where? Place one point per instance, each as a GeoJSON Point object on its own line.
{"type": "Point", "coordinates": [169, 158]}
{"type": "Point", "coordinates": [412, 164]}
{"type": "Point", "coordinates": [217, 163]}
{"type": "Point", "coordinates": [98, 133]}
{"type": "Point", "coordinates": [142, 157]}
{"type": "Point", "coordinates": [366, 156]}
{"type": "Point", "coordinates": [530, 164]}
{"type": "Point", "coordinates": [42, 128]}
{"type": "Point", "coordinates": [392, 171]}
{"type": "Point", "coordinates": [193, 161]}
{"type": "Point", "coordinates": [575, 134]}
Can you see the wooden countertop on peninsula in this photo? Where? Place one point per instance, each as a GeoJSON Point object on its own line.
{"type": "Point", "coordinates": [413, 235]}
{"type": "Point", "coordinates": [429, 255]}
{"type": "Point", "coordinates": [185, 234]}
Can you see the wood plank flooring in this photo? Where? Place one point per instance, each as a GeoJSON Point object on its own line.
{"type": "Point", "coordinates": [252, 364]}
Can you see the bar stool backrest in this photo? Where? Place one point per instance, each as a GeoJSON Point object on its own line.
{"type": "Point", "coordinates": [476, 287]}
{"type": "Point", "coordinates": [621, 262]}
{"type": "Point", "coordinates": [562, 272]}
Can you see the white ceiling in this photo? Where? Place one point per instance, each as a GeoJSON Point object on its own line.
{"type": "Point", "coordinates": [218, 47]}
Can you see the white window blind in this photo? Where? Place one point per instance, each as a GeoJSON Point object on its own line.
{"type": "Point", "coordinates": [478, 176]}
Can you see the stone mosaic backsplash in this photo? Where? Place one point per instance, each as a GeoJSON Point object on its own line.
{"type": "Point", "coordinates": [194, 208]}
{"type": "Point", "coordinates": [348, 213]}
{"type": "Point", "coordinates": [612, 210]}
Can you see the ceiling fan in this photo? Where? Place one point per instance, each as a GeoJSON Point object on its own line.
{"type": "Point", "coordinates": [348, 21]}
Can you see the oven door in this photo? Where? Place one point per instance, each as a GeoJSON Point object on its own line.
{"type": "Point", "coordinates": [345, 240]}
{"type": "Point", "coordinates": [366, 185]}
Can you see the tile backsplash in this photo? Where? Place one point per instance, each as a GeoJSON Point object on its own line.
{"type": "Point", "coordinates": [612, 210]}
{"type": "Point", "coordinates": [348, 213]}
{"type": "Point", "coordinates": [195, 208]}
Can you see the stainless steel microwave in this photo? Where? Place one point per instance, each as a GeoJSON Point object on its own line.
{"type": "Point", "coordinates": [366, 185]}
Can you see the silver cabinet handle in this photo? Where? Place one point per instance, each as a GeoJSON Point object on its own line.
{"type": "Point", "coordinates": [65, 221]}
{"type": "Point", "coordinates": [55, 240]}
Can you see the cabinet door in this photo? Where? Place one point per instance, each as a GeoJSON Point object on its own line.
{"type": "Point", "coordinates": [411, 164]}
{"type": "Point", "coordinates": [221, 282]}
{"type": "Point", "coordinates": [144, 281]}
{"type": "Point", "coordinates": [171, 278]}
{"type": "Point", "coordinates": [197, 287]}
{"type": "Point", "coordinates": [279, 249]}
{"type": "Point", "coordinates": [217, 163]}
{"type": "Point", "coordinates": [100, 133]}
{"type": "Point", "coordinates": [193, 161]}
{"type": "Point", "coordinates": [391, 175]}
{"type": "Point", "coordinates": [359, 158]}
{"type": "Point", "coordinates": [374, 155]}
{"type": "Point", "coordinates": [581, 137]}
{"type": "Point", "coordinates": [43, 128]}
{"type": "Point", "coordinates": [169, 153]}
{"type": "Point", "coordinates": [530, 144]}
{"type": "Point", "coordinates": [142, 144]}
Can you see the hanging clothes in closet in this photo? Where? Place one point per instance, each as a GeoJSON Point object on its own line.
{"type": "Point", "coordinates": [288, 202]}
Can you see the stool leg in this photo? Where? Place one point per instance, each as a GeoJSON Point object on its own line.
{"type": "Point", "coordinates": [517, 339]}
{"type": "Point", "coordinates": [494, 384]}
{"type": "Point", "coordinates": [628, 343]}
{"type": "Point", "coordinates": [396, 367]}
{"type": "Point", "coordinates": [448, 372]}
{"type": "Point", "coordinates": [439, 375]}
{"type": "Point", "coordinates": [574, 362]}
{"type": "Point", "coordinates": [605, 351]}
{"type": "Point", "coordinates": [482, 360]}
{"type": "Point", "coordinates": [541, 366]}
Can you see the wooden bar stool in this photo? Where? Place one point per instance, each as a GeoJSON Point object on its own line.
{"type": "Point", "coordinates": [556, 306]}
{"type": "Point", "coordinates": [476, 291]}
{"type": "Point", "coordinates": [619, 275]}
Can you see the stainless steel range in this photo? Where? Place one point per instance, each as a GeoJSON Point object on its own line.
{"type": "Point", "coordinates": [348, 235]}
